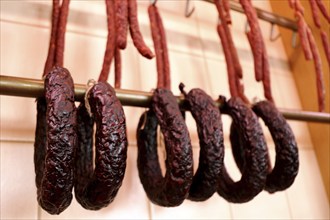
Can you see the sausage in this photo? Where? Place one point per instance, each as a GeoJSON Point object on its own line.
{"type": "Point", "coordinates": [84, 152]}
{"type": "Point", "coordinates": [52, 42]}
{"type": "Point", "coordinates": [318, 71]}
{"type": "Point", "coordinates": [54, 193]}
{"type": "Point", "coordinates": [40, 140]}
{"type": "Point", "coordinates": [255, 38]}
{"type": "Point", "coordinates": [117, 68]}
{"type": "Point", "coordinates": [134, 29]}
{"type": "Point", "coordinates": [323, 10]}
{"type": "Point", "coordinates": [159, 39]}
{"type": "Point", "coordinates": [121, 13]}
{"type": "Point", "coordinates": [210, 134]}
{"type": "Point", "coordinates": [61, 32]}
{"type": "Point", "coordinates": [286, 166]}
{"type": "Point", "coordinates": [326, 46]}
{"type": "Point", "coordinates": [155, 32]}
{"type": "Point", "coordinates": [302, 31]}
{"type": "Point", "coordinates": [266, 77]}
{"type": "Point", "coordinates": [111, 41]}
{"type": "Point", "coordinates": [172, 189]}
{"type": "Point", "coordinates": [110, 146]}
{"type": "Point", "coordinates": [230, 52]}
{"type": "Point", "coordinates": [256, 161]}
{"type": "Point", "coordinates": [226, 6]}
{"type": "Point", "coordinates": [315, 15]}
{"type": "Point", "coordinates": [223, 15]}
{"type": "Point", "coordinates": [228, 57]}
{"type": "Point", "coordinates": [165, 58]}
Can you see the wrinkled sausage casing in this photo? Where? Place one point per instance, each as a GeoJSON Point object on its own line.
{"type": "Point", "coordinates": [254, 175]}
{"type": "Point", "coordinates": [110, 146]}
{"type": "Point", "coordinates": [172, 189]}
{"type": "Point", "coordinates": [210, 134]}
{"type": "Point", "coordinates": [287, 160]}
{"type": "Point", "coordinates": [55, 186]}
{"type": "Point", "coordinates": [84, 154]}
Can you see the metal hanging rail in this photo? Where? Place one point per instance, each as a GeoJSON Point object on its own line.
{"type": "Point", "coordinates": [24, 87]}
{"type": "Point", "coordinates": [264, 15]}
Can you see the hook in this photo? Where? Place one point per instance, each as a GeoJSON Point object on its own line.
{"type": "Point", "coordinates": [271, 35]}
{"type": "Point", "coordinates": [294, 39]}
{"type": "Point", "coordinates": [153, 2]}
{"type": "Point", "coordinates": [189, 12]}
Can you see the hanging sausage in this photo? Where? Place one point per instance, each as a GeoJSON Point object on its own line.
{"type": "Point", "coordinates": [210, 134]}
{"type": "Point", "coordinates": [254, 175]}
{"type": "Point", "coordinates": [172, 189]}
{"type": "Point", "coordinates": [97, 189]}
{"type": "Point", "coordinates": [56, 136]}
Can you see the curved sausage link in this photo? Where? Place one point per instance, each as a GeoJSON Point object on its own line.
{"type": "Point", "coordinates": [172, 189]}
{"type": "Point", "coordinates": [254, 175]}
{"type": "Point", "coordinates": [210, 134]}
{"type": "Point", "coordinates": [134, 29]}
{"type": "Point", "coordinates": [121, 22]}
{"type": "Point", "coordinates": [52, 42]}
{"type": "Point", "coordinates": [54, 193]}
{"type": "Point", "coordinates": [287, 160]}
{"type": "Point", "coordinates": [84, 153]}
{"type": "Point", "coordinates": [110, 146]}
{"type": "Point", "coordinates": [40, 140]}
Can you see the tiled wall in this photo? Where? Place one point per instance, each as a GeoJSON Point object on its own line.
{"type": "Point", "coordinates": [196, 58]}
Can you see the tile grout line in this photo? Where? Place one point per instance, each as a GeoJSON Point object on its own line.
{"type": "Point", "coordinates": [149, 208]}
{"type": "Point", "coordinates": [231, 213]}
{"type": "Point", "coordinates": [38, 212]}
{"type": "Point", "coordinates": [288, 204]}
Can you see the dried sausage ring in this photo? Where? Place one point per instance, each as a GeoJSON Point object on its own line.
{"type": "Point", "coordinates": [172, 189]}
{"type": "Point", "coordinates": [209, 128]}
{"type": "Point", "coordinates": [287, 160]}
{"type": "Point", "coordinates": [254, 175]}
{"type": "Point", "coordinates": [84, 152]}
{"type": "Point", "coordinates": [56, 139]}
{"type": "Point", "coordinates": [100, 188]}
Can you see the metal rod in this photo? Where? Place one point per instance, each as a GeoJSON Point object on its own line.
{"type": "Point", "coordinates": [24, 87]}
{"type": "Point", "coordinates": [264, 15]}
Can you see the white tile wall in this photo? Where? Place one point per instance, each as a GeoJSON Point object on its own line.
{"type": "Point", "coordinates": [18, 191]}
{"type": "Point", "coordinates": [196, 58]}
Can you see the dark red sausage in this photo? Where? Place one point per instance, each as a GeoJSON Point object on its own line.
{"type": "Point", "coordinates": [302, 31]}
{"type": "Point", "coordinates": [318, 71]}
{"type": "Point", "coordinates": [228, 57]}
{"type": "Point", "coordinates": [84, 152]}
{"type": "Point", "coordinates": [256, 161]}
{"type": "Point", "coordinates": [121, 13]}
{"type": "Point", "coordinates": [155, 32]}
{"type": "Point", "coordinates": [117, 68]}
{"type": "Point", "coordinates": [165, 58]}
{"type": "Point", "coordinates": [60, 37]}
{"type": "Point", "coordinates": [100, 189]}
{"type": "Point", "coordinates": [315, 14]}
{"type": "Point", "coordinates": [111, 41]}
{"type": "Point", "coordinates": [323, 10]}
{"type": "Point", "coordinates": [135, 31]}
{"type": "Point", "coordinates": [326, 46]}
{"type": "Point", "coordinates": [52, 42]}
{"type": "Point", "coordinates": [40, 140]}
{"type": "Point", "coordinates": [172, 189]}
{"type": "Point", "coordinates": [255, 38]}
{"type": "Point", "coordinates": [54, 193]}
{"type": "Point", "coordinates": [210, 134]}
